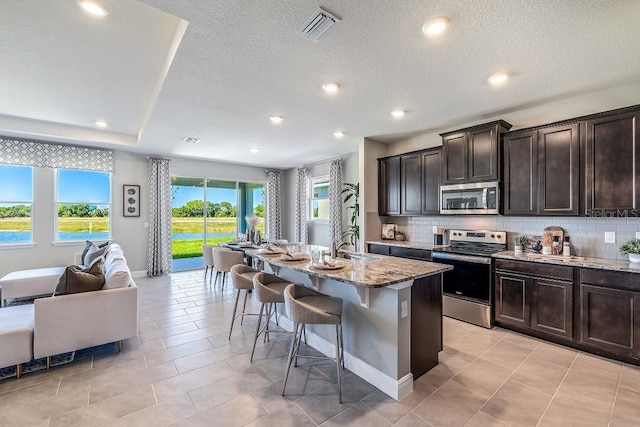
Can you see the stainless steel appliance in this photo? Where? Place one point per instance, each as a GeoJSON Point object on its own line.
{"type": "Point", "coordinates": [468, 288]}
{"type": "Point", "coordinates": [473, 198]}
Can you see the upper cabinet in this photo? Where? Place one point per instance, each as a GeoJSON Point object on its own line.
{"type": "Point", "coordinates": [542, 171]}
{"type": "Point", "coordinates": [389, 186]}
{"type": "Point", "coordinates": [612, 164]}
{"type": "Point", "coordinates": [471, 155]}
{"type": "Point", "coordinates": [409, 184]}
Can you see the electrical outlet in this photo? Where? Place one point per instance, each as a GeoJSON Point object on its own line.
{"type": "Point", "coordinates": [609, 237]}
{"type": "Point", "coordinates": [404, 309]}
{"type": "Point", "coordinates": [637, 234]}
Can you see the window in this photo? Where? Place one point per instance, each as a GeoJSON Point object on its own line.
{"type": "Point", "coordinates": [319, 198]}
{"type": "Point", "coordinates": [16, 199]}
{"type": "Point", "coordinates": [83, 204]}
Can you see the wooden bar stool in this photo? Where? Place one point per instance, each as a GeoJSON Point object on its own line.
{"type": "Point", "coordinates": [269, 291]}
{"type": "Point", "coordinates": [308, 307]}
{"type": "Point", "coordinates": [242, 278]}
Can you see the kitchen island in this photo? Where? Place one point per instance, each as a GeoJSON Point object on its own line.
{"type": "Point", "coordinates": [392, 314]}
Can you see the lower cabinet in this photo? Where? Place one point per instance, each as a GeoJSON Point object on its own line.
{"type": "Point", "coordinates": [535, 297]}
{"type": "Point", "coordinates": [610, 311]}
{"type": "Point", "coordinates": [400, 251]}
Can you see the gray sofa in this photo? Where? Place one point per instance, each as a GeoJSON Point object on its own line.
{"type": "Point", "coordinates": [70, 322]}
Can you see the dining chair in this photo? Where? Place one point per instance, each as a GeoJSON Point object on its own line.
{"type": "Point", "coordinates": [207, 254]}
{"type": "Point", "coordinates": [224, 259]}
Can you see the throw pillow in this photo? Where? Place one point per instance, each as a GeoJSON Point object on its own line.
{"type": "Point", "coordinates": [87, 246]}
{"type": "Point", "coordinates": [77, 278]}
{"type": "Point", "coordinates": [94, 252]}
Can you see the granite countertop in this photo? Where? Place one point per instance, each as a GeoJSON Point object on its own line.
{"type": "Point", "coordinates": [573, 261]}
{"type": "Point", "coordinates": [372, 271]}
{"type": "Point", "coordinates": [407, 244]}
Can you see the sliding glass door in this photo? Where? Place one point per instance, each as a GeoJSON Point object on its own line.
{"type": "Point", "coordinates": [216, 206]}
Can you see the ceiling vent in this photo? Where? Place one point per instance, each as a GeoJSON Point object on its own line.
{"type": "Point", "coordinates": [317, 25]}
{"type": "Point", "coordinates": [190, 140]}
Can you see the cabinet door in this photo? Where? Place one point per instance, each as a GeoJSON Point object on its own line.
{"type": "Point", "coordinates": [431, 179]}
{"type": "Point", "coordinates": [378, 249]}
{"type": "Point", "coordinates": [411, 184]}
{"type": "Point", "coordinates": [612, 161]}
{"type": "Point", "coordinates": [521, 174]}
{"type": "Point", "coordinates": [559, 170]}
{"type": "Point", "coordinates": [454, 152]}
{"type": "Point", "coordinates": [552, 307]}
{"type": "Point", "coordinates": [483, 154]}
{"type": "Point", "coordinates": [512, 305]}
{"type": "Point", "coordinates": [389, 186]}
{"type": "Point", "coordinates": [610, 319]}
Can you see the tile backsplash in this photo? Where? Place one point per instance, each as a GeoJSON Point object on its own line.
{"type": "Point", "coordinates": [586, 234]}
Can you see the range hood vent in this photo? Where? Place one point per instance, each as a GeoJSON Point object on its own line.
{"type": "Point", "coordinates": [317, 25]}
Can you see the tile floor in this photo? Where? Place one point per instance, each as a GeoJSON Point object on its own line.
{"type": "Point", "coordinates": [183, 371]}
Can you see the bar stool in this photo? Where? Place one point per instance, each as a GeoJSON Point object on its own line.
{"type": "Point", "coordinates": [224, 259]}
{"type": "Point", "coordinates": [308, 307]}
{"type": "Point", "coordinates": [207, 254]}
{"type": "Point", "coordinates": [242, 278]}
{"type": "Point", "coordinates": [269, 291]}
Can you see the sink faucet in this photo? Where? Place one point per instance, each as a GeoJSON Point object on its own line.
{"type": "Point", "coordinates": [335, 247]}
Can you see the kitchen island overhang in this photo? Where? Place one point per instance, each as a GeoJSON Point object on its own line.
{"type": "Point", "coordinates": [392, 315]}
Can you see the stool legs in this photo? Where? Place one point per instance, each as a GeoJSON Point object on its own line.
{"type": "Point", "coordinates": [338, 361]}
{"type": "Point", "coordinates": [255, 339]}
{"type": "Point", "coordinates": [292, 351]}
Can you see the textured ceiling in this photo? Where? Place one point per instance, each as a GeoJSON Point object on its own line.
{"type": "Point", "coordinates": [161, 70]}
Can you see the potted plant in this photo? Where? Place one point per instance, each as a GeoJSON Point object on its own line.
{"type": "Point", "coordinates": [352, 191]}
{"type": "Point", "coordinates": [399, 235]}
{"type": "Point", "coordinates": [632, 248]}
{"type": "Point", "coordinates": [518, 242]}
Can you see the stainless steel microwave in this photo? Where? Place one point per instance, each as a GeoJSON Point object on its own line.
{"type": "Point", "coordinates": [478, 198]}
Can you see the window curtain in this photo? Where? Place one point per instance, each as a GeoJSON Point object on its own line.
{"type": "Point", "coordinates": [302, 203]}
{"type": "Point", "coordinates": [274, 205]}
{"type": "Point", "coordinates": [335, 201]}
{"type": "Point", "coordinates": [44, 155]}
{"type": "Point", "coordinates": [159, 238]}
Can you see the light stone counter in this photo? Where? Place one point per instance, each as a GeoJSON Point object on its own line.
{"type": "Point", "coordinates": [573, 261]}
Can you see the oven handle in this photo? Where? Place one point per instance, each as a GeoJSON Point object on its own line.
{"type": "Point", "coordinates": [457, 257]}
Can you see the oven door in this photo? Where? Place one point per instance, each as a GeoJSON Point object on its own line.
{"type": "Point", "coordinates": [467, 289]}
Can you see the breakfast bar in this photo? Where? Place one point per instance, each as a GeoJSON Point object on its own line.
{"type": "Point", "coordinates": [392, 313]}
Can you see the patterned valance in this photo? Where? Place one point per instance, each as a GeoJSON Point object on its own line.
{"type": "Point", "coordinates": [48, 155]}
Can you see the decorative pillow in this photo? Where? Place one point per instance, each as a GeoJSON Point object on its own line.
{"type": "Point", "coordinates": [88, 245]}
{"type": "Point", "coordinates": [77, 278]}
{"type": "Point", "coordinates": [118, 275]}
{"type": "Point", "coordinates": [94, 252]}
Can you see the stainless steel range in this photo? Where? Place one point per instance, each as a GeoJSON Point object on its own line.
{"type": "Point", "coordinates": [468, 288]}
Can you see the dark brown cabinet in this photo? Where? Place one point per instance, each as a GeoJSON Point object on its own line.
{"type": "Point", "coordinates": [431, 178]}
{"type": "Point", "coordinates": [610, 312]}
{"type": "Point", "coordinates": [612, 164]}
{"type": "Point", "coordinates": [536, 297]}
{"type": "Point", "coordinates": [400, 251]}
{"type": "Point", "coordinates": [471, 155]}
{"type": "Point", "coordinates": [389, 186]}
{"type": "Point", "coordinates": [542, 171]}
{"type": "Point", "coordinates": [409, 184]}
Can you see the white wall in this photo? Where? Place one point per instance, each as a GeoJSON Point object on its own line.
{"type": "Point", "coordinates": [129, 232]}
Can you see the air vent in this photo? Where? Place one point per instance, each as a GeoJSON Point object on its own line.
{"type": "Point", "coordinates": [190, 140]}
{"type": "Point", "coordinates": [317, 25]}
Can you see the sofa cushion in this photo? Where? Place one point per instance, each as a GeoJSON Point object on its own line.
{"type": "Point", "coordinates": [117, 275]}
{"type": "Point", "coordinates": [77, 278]}
{"type": "Point", "coordinates": [94, 252]}
{"type": "Point", "coordinates": [88, 245]}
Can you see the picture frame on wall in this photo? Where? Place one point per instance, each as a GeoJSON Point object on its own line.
{"type": "Point", "coordinates": [131, 200]}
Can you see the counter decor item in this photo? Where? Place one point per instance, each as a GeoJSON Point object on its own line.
{"type": "Point", "coordinates": [388, 231]}
{"type": "Point", "coordinates": [519, 242]}
{"type": "Point", "coordinates": [632, 248]}
{"type": "Point", "coordinates": [252, 222]}
{"type": "Point", "coordinates": [566, 248]}
{"type": "Point", "coordinates": [549, 233]}
{"type": "Point", "coordinates": [399, 235]}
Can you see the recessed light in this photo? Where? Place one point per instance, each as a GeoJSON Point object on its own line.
{"type": "Point", "coordinates": [398, 113]}
{"type": "Point", "coordinates": [93, 7]}
{"type": "Point", "coordinates": [276, 119]}
{"type": "Point", "coordinates": [435, 26]}
{"type": "Point", "coordinates": [101, 124]}
{"type": "Point", "coordinates": [331, 87]}
{"type": "Point", "coordinates": [338, 134]}
{"type": "Point", "coordinates": [190, 140]}
{"type": "Point", "coordinates": [498, 78]}
{"type": "Point", "coordinates": [254, 150]}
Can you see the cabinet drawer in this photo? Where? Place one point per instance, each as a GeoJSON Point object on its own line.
{"type": "Point", "coordinates": [420, 254]}
{"type": "Point", "coordinates": [536, 269]}
{"type": "Point", "coordinates": [612, 279]}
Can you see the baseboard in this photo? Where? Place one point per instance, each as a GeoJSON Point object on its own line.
{"type": "Point", "coordinates": [397, 389]}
